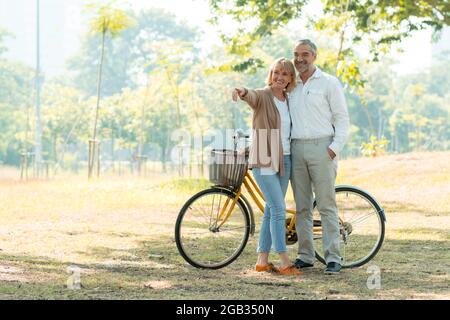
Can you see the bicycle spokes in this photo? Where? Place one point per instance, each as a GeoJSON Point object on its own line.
{"type": "Point", "coordinates": [361, 227]}
{"type": "Point", "coordinates": [213, 228]}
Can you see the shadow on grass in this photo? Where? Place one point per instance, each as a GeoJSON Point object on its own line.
{"type": "Point", "coordinates": [409, 269]}
{"type": "Point", "coordinates": [441, 234]}
{"type": "Point", "coordinates": [394, 207]}
{"type": "Point", "coordinates": [110, 234]}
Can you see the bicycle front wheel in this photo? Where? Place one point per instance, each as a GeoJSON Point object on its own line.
{"type": "Point", "coordinates": [362, 227]}
{"type": "Point", "coordinates": [210, 231]}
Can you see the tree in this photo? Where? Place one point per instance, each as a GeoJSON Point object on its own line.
{"type": "Point", "coordinates": [409, 110]}
{"type": "Point", "coordinates": [15, 100]}
{"type": "Point", "coordinates": [384, 22]}
{"type": "Point", "coordinates": [260, 18]}
{"type": "Point", "coordinates": [376, 24]}
{"type": "Point", "coordinates": [65, 120]}
{"type": "Point", "coordinates": [130, 57]}
{"type": "Point", "coordinates": [106, 20]}
{"type": "Point", "coordinates": [174, 59]}
{"type": "Point", "coordinates": [142, 49]}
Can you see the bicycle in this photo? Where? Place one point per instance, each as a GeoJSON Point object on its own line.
{"type": "Point", "coordinates": [214, 225]}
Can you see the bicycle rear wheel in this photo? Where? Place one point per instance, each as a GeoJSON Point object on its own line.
{"type": "Point", "coordinates": [362, 227]}
{"type": "Point", "coordinates": [206, 238]}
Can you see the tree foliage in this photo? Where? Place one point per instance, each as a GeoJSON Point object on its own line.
{"type": "Point", "coordinates": [3, 35]}
{"type": "Point", "coordinates": [108, 19]}
{"type": "Point", "coordinates": [374, 23]}
{"type": "Point", "coordinates": [131, 56]}
{"type": "Point", "coordinates": [15, 99]}
{"type": "Point", "coordinates": [159, 84]}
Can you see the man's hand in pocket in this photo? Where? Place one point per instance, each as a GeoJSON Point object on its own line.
{"type": "Point", "coordinates": [331, 153]}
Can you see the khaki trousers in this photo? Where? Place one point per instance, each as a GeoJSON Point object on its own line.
{"type": "Point", "coordinates": [314, 170]}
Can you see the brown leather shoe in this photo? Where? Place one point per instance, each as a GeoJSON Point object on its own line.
{"type": "Point", "coordinates": [289, 271]}
{"type": "Point", "coordinates": [265, 267]}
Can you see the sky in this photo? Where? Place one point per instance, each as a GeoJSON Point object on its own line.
{"type": "Point", "coordinates": [62, 27]}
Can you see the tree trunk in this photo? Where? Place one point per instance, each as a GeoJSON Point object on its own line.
{"type": "Point", "coordinates": [112, 147]}
{"type": "Point", "coordinates": [94, 135]}
{"type": "Point", "coordinates": [163, 158]}
{"type": "Point", "coordinates": [99, 83]}
{"type": "Point", "coordinates": [38, 129]}
{"type": "Point", "coordinates": [55, 152]}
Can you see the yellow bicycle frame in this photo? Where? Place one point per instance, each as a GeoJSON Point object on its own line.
{"type": "Point", "coordinates": [256, 194]}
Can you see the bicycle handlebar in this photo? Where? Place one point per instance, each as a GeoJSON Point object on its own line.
{"type": "Point", "coordinates": [240, 135]}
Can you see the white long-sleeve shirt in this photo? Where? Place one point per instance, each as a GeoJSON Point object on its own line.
{"type": "Point", "coordinates": [316, 107]}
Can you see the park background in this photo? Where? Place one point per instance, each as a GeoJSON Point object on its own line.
{"type": "Point", "coordinates": [165, 68]}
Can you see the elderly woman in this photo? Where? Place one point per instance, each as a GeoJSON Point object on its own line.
{"type": "Point", "coordinates": [270, 159]}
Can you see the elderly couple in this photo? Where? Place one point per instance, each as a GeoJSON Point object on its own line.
{"type": "Point", "coordinates": [300, 125]}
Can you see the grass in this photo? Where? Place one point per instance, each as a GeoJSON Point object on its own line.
{"type": "Point", "coordinates": [120, 232]}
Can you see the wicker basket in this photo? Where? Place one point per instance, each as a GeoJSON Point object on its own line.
{"type": "Point", "coordinates": [227, 168]}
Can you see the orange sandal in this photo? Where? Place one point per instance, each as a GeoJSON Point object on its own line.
{"type": "Point", "coordinates": [289, 271]}
{"type": "Point", "coordinates": [265, 267]}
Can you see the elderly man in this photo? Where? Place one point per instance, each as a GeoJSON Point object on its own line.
{"type": "Point", "coordinates": [320, 126]}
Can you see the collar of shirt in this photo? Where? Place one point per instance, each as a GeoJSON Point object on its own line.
{"type": "Point", "coordinates": [317, 74]}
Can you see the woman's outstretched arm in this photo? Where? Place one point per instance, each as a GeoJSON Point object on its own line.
{"type": "Point", "coordinates": [248, 95]}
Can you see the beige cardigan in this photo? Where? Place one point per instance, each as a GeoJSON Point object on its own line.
{"type": "Point", "coordinates": [266, 150]}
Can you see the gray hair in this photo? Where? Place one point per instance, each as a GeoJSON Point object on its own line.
{"type": "Point", "coordinates": [309, 43]}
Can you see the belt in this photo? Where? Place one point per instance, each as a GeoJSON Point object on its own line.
{"type": "Point", "coordinates": [313, 140]}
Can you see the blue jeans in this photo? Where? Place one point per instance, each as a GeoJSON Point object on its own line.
{"type": "Point", "coordinates": [273, 226]}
